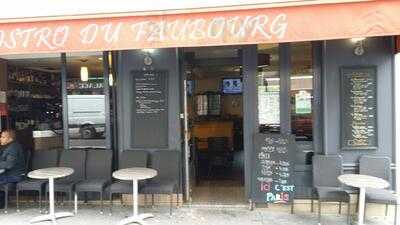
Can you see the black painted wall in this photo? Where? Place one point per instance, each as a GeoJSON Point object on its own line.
{"type": "Point", "coordinates": [337, 53]}
{"type": "Point", "coordinates": [163, 59]}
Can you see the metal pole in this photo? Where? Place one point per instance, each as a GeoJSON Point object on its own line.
{"type": "Point", "coordinates": [187, 149]}
{"type": "Point", "coordinates": [64, 95]}
{"type": "Point", "coordinates": [106, 88]}
{"type": "Point", "coordinates": [397, 124]}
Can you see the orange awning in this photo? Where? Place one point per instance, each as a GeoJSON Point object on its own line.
{"type": "Point", "coordinates": [245, 26]}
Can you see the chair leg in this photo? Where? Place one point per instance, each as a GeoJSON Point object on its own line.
{"type": "Point", "coordinates": [145, 200]}
{"type": "Point", "coordinates": [348, 213]}
{"type": "Point", "coordinates": [170, 204]}
{"type": "Point", "coordinates": [111, 203]}
{"type": "Point", "coordinates": [292, 207]}
{"type": "Point", "coordinates": [319, 212]}
{"type": "Point", "coordinates": [101, 202]}
{"type": "Point", "coordinates": [6, 200]}
{"type": "Point", "coordinates": [40, 201]}
{"type": "Point", "coordinates": [17, 196]}
{"type": "Point", "coordinates": [312, 205]}
{"type": "Point", "coordinates": [386, 209]}
{"type": "Point", "coordinates": [177, 199]}
{"type": "Point", "coordinates": [340, 208]}
{"type": "Point", "coordinates": [152, 200]}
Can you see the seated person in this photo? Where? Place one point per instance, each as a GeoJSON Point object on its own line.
{"type": "Point", "coordinates": [12, 158]}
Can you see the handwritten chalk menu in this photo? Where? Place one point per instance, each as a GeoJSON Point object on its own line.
{"type": "Point", "coordinates": [273, 168]}
{"type": "Point", "coordinates": [359, 112]}
{"type": "Point", "coordinates": [150, 109]}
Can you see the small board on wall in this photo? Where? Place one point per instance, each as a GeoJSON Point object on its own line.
{"type": "Point", "coordinates": [359, 108]}
{"type": "Point", "coordinates": [273, 168]}
{"type": "Point", "coordinates": [150, 109]}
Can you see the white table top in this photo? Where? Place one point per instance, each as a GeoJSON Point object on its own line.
{"type": "Point", "coordinates": [52, 172]}
{"type": "Point", "coordinates": [2, 171]}
{"type": "Point", "coordinates": [135, 173]}
{"type": "Point", "coordinates": [363, 181]}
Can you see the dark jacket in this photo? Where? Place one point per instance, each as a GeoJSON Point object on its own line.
{"type": "Point", "coordinates": [12, 159]}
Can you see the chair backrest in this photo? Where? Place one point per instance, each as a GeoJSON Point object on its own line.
{"type": "Point", "coordinates": [326, 169]}
{"type": "Point", "coordinates": [377, 166]}
{"type": "Point", "coordinates": [167, 163]}
{"type": "Point", "coordinates": [98, 164]}
{"type": "Point", "coordinates": [44, 159]}
{"type": "Point", "coordinates": [217, 144]}
{"type": "Point", "coordinates": [133, 158]}
{"type": "Point", "coordinates": [74, 159]}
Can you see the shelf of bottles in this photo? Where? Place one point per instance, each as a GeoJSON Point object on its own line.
{"type": "Point", "coordinates": [33, 97]}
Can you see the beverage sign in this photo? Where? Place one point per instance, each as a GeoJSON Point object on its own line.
{"type": "Point", "coordinates": [273, 168]}
{"type": "Point", "coordinates": [359, 112]}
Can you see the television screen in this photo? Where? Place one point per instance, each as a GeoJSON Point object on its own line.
{"type": "Point", "coordinates": [232, 86]}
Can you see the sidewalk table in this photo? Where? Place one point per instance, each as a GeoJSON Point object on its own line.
{"type": "Point", "coordinates": [135, 174]}
{"type": "Point", "coordinates": [51, 174]}
{"type": "Point", "coordinates": [362, 182]}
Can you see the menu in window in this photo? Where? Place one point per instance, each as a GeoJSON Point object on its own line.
{"type": "Point", "coordinates": [359, 108]}
{"type": "Point", "coordinates": [273, 168]}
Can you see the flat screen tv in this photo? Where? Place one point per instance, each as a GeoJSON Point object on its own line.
{"type": "Point", "coordinates": [232, 85]}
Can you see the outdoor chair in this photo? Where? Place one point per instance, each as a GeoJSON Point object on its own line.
{"type": "Point", "coordinates": [40, 159]}
{"type": "Point", "coordinates": [378, 166]}
{"type": "Point", "coordinates": [167, 163]}
{"type": "Point", "coordinates": [10, 187]}
{"type": "Point", "coordinates": [98, 173]}
{"type": "Point", "coordinates": [74, 159]}
{"type": "Point", "coordinates": [127, 159]}
{"type": "Point", "coordinates": [326, 169]}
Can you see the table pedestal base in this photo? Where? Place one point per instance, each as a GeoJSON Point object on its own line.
{"type": "Point", "coordinates": [51, 217]}
{"type": "Point", "coordinates": [136, 219]}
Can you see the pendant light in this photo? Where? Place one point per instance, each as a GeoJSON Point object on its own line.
{"type": "Point", "coordinates": [84, 74]}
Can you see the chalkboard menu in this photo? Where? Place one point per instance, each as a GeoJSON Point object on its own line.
{"type": "Point", "coordinates": [150, 109]}
{"type": "Point", "coordinates": [359, 108]}
{"type": "Point", "coordinates": [273, 168]}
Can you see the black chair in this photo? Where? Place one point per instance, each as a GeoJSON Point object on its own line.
{"type": "Point", "coordinates": [127, 159]}
{"type": "Point", "coordinates": [326, 169]}
{"type": "Point", "coordinates": [379, 166]}
{"type": "Point", "coordinates": [11, 187]}
{"type": "Point", "coordinates": [98, 173]}
{"type": "Point", "coordinates": [40, 159]}
{"type": "Point", "coordinates": [167, 163]}
{"type": "Point", "coordinates": [74, 159]}
{"type": "Point", "coordinates": [219, 154]}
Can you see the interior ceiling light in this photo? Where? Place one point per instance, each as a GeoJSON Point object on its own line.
{"type": "Point", "coordinates": [355, 40]}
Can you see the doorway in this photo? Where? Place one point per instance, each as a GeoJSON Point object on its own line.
{"type": "Point", "coordinates": [214, 106]}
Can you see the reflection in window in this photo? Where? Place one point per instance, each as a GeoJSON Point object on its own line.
{"type": "Point", "coordinates": [301, 98]}
{"type": "Point", "coordinates": [86, 103]}
{"type": "Point", "coordinates": [268, 88]}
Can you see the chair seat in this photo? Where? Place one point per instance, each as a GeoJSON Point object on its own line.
{"type": "Point", "coordinates": [380, 196]}
{"type": "Point", "coordinates": [123, 187]}
{"type": "Point", "coordinates": [8, 186]}
{"type": "Point", "coordinates": [62, 186]}
{"type": "Point", "coordinates": [159, 187]}
{"type": "Point", "coordinates": [94, 185]}
{"type": "Point", "coordinates": [31, 184]}
{"type": "Point", "coordinates": [334, 194]}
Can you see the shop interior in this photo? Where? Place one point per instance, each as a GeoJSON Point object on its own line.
{"type": "Point", "coordinates": [215, 117]}
{"type": "Point", "coordinates": [32, 93]}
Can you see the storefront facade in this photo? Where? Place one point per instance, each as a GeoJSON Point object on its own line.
{"type": "Point", "coordinates": [326, 28]}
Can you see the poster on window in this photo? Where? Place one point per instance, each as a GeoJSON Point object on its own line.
{"type": "Point", "coordinates": [303, 102]}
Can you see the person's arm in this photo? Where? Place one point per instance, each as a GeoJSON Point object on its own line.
{"type": "Point", "coordinates": [10, 160]}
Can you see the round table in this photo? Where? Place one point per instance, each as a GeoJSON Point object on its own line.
{"type": "Point", "coordinates": [135, 174]}
{"type": "Point", "coordinates": [51, 174]}
{"type": "Point", "coordinates": [362, 182]}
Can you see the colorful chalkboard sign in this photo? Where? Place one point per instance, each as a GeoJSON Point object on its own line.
{"type": "Point", "coordinates": [273, 168]}
{"type": "Point", "coordinates": [359, 108]}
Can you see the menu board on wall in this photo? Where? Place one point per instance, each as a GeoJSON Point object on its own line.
{"type": "Point", "coordinates": [273, 168]}
{"type": "Point", "coordinates": [359, 108]}
{"type": "Point", "coordinates": [150, 109]}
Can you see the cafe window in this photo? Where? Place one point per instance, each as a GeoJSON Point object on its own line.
{"type": "Point", "coordinates": [86, 100]}
{"type": "Point", "coordinates": [268, 88]}
{"type": "Point", "coordinates": [301, 97]}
